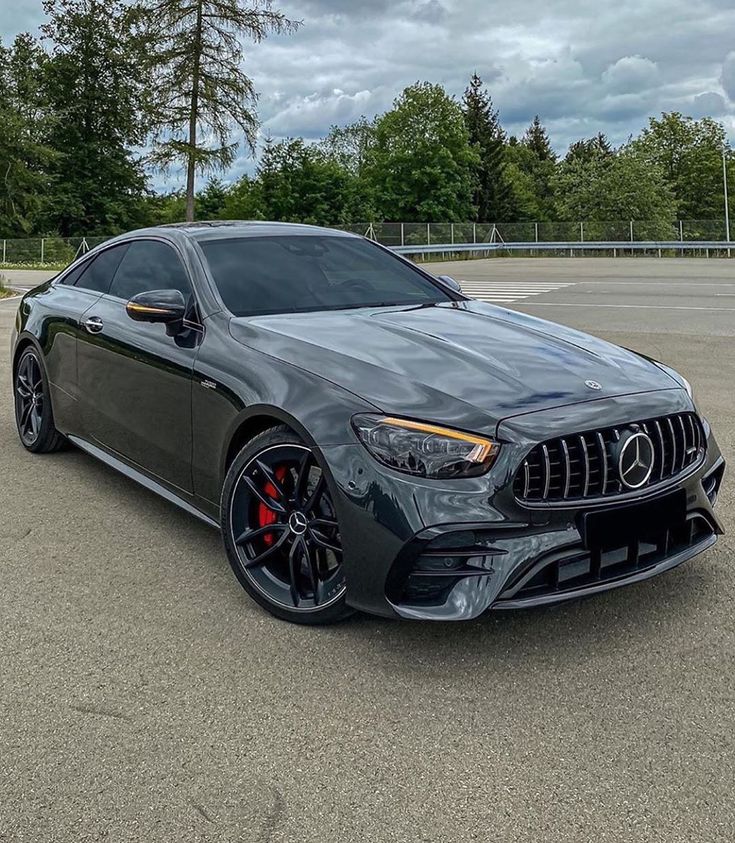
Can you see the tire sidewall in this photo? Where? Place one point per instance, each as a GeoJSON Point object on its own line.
{"type": "Point", "coordinates": [47, 433]}
{"type": "Point", "coordinates": [280, 435]}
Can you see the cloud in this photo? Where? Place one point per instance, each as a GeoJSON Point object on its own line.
{"type": "Point", "coordinates": [630, 74]}
{"type": "Point", "coordinates": [583, 67]}
{"type": "Point", "coordinates": [727, 76]}
{"type": "Point", "coordinates": [708, 104]}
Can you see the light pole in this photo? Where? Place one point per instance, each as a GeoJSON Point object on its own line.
{"type": "Point", "coordinates": [727, 210]}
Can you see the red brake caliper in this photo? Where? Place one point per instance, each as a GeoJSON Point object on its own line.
{"type": "Point", "coordinates": [267, 516]}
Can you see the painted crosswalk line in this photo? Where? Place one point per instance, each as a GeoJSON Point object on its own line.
{"type": "Point", "coordinates": [501, 292]}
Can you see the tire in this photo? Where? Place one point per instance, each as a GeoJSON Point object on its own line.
{"type": "Point", "coordinates": [280, 530]}
{"type": "Point", "coordinates": [34, 417]}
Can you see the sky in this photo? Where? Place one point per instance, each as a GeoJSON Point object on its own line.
{"type": "Point", "coordinates": [584, 67]}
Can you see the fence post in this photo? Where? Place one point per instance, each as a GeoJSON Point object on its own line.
{"type": "Point", "coordinates": [631, 231]}
{"type": "Point", "coordinates": [474, 232]}
{"type": "Point", "coordinates": [451, 232]}
{"type": "Point", "coordinates": [581, 232]}
{"type": "Point", "coordinates": [535, 226]}
{"type": "Point", "coordinates": [403, 239]}
{"type": "Point", "coordinates": [428, 234]}
{"type": "Point", "coordinates": [43, 243]}
{"type": "Point", "coordinates": [3, 251]}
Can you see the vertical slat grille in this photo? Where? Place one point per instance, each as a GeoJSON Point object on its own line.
{"type": "Point", "coordinates": [584, 465]}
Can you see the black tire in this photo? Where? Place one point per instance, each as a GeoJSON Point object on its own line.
{"type": "Point", "coordinates": [280, 530]}
{"type": "Point", "coordinates": [34, 417]}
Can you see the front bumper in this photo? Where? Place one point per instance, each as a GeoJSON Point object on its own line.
{"type": "Point", "coordinates": [451, 550]}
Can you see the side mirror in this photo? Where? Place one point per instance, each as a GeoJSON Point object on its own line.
{"type": "Point", "coordinates": [165, 306]}
{"type": "Point", "coordinates": [448, 281]}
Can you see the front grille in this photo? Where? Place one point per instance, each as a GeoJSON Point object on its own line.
{"type": "Point", "coordinates": [585, 465]}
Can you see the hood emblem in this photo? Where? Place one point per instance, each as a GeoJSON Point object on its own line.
{"type": "Point", "coordinates": [593, 385]}
{"type": "Point", "coordinates": [635, 460]}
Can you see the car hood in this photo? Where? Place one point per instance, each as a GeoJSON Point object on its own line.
{"type": "Point", "coordinates": [467, 364]}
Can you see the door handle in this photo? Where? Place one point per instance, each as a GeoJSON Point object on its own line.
{"type": "Point", "coordinates": [94, 324]}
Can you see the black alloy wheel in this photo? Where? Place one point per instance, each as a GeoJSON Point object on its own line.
{"type": "Point", "coordinates": [33, 414]}
{"type": "Point", "coordinates": [281, 530]}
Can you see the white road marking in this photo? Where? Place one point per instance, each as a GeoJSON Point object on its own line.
{"type": "Point", "coordinates": [633, 306]}
{"type": "Point", "coordinates": [497, 292]}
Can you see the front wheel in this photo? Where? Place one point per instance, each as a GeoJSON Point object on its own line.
{"type": "Point", "coordinates": [33, 414]}
{"type": "Point", "coordinates": [281, 531]}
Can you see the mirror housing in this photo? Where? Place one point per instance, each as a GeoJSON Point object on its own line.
{"type": "Point", "coordinates": [164, 306]}
{"type": "Point", "coordinates": [448, 281]}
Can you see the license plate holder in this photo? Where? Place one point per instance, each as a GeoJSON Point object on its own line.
{"type": "Point", "coordinates": [615, 527]}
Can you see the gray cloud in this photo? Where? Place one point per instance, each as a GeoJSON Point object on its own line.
{"type": "Point", "coordinates": [584, 67]}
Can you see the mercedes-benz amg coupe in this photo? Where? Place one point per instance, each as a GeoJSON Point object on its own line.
{"type": "Point", "coordinates": [364, 435]}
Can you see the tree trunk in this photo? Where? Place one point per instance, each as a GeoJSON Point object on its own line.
{"type": "Point", "coordinates": [193, 114]}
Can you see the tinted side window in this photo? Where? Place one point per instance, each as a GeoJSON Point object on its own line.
{"type": "Point", "coordinates": [98, 273]}
{"type": "Point", "coordinates": [72, 277]}
{"type": "Point", "coordinates": [150, 265]}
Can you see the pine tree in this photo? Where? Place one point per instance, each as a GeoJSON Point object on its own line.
{"type": "Point", "coordinates": [201, 90]}
{"type": "Point", "coordinates": [492, 195]}
{"type": "Point", "coordinates": [94, 84]}
{"type": "Point", "coordinates": [537, 140]}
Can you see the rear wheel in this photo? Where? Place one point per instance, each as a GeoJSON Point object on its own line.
{"type": "Point", "coordinates": [281, 531]}
{"type": "Point", "coordinates": [33, 414]}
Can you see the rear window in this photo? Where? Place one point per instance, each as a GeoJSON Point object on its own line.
{"type": "Point", "coordinates": [289, 274]}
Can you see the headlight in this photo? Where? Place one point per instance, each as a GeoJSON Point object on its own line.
{"type": "Point", "coordinates": [425, 450]}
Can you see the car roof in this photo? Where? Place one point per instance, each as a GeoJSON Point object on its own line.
{"type": "Point", "coordinates": [224, 229]}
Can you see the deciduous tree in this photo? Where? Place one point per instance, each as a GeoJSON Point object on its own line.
{"type": "Point", "coordinates": [422, 163]}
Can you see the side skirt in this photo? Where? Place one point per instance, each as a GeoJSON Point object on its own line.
{"type": "Point", "coordinates": [144, 480]}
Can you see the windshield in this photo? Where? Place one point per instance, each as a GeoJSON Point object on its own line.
{"type": "Point", "coordinates": [296, 273]}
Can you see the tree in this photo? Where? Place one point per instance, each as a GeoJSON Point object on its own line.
{"type": "Point", "coordinates": [422, 164]}
{"type": "Point", "coordinates": [492, 194]}
{"type": "Point", "coordinates": [589, 149]}
{"type": "Point", "coordinates": [210, 202]}
{"type": "Point", "coordinates": [537, 140]}
{"type": "Point", "coordinates": [689, 153]}
{"type": "Point", "coordinates": [24, 156]}
{"type": "Point", "coordinates": [94, 84]}
{"type": "Point", "coordinates": [350, 145]}
{"type": "Point", "coordinates": [201, 89]}
{"type": "Point", "coordinates": [297, 182]}
{"type": "Point", "coordinates": [612, 187]}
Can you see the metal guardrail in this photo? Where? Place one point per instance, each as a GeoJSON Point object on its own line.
{"type": "Point", "coordinates": [570, 246]}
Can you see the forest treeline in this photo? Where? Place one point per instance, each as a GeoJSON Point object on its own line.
{"type": "Point", "coordinates": [109, 92]}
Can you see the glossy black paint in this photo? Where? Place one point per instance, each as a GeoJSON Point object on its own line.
{"type": "Point", "coordinates": [172, 408]}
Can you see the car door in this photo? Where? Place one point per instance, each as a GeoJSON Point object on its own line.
{"type": "Point", "coordinates": [135, 378]}
{"type": "Point", "coordinates": [69, 297]}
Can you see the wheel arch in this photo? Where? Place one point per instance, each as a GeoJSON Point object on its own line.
{"type": "Point", "coordinates": [254, 421]}
{"type": "Point", "coordinates": [21, 344]}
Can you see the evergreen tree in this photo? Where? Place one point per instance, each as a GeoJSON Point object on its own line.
{"type": "Point", "coordinates": [589, 149]}
{"type": "Point", "coordinates": [537, 140]}
{"type": "Point", "coordinates": [200, 87]}
{"type": "Point", "coordinates": [492, 195]}
{"type": "Point", "coordinates": [94, 85]}
{"type": "Point", "coordinates": [25, 157]}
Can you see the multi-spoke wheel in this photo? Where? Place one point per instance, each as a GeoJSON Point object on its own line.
{"type": "Point", "coordinates": [33, 415]}
{"type": "Point", "coordinates": [281, 529]}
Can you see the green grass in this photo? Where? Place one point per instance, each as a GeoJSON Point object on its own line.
{"type": "Point", "coordinates": [51, 267]}
{"type": "Point", "coordinates": [4, 291]}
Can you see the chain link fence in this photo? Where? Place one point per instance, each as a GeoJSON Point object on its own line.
{"type": "Point", "coordinates": [56, 251]}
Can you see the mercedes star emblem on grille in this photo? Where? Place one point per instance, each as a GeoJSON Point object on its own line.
{"type": "Point", "coordinates": [635, 460]}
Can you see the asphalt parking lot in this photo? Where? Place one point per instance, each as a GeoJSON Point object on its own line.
{"type": "Point", "coordinates": [144, 697]}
